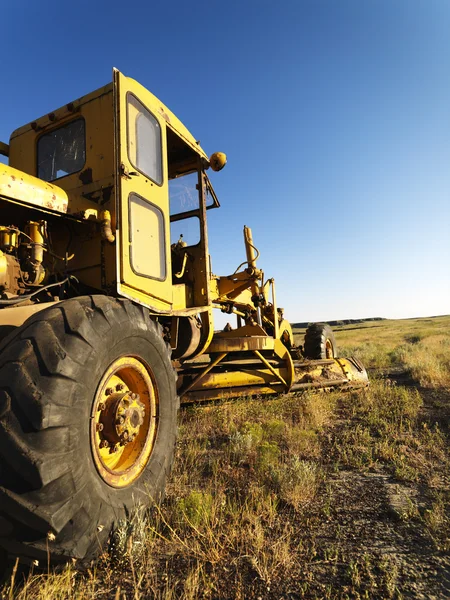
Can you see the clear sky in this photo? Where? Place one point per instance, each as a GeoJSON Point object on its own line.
{"type": "Point", "coordinates": [334, 114]}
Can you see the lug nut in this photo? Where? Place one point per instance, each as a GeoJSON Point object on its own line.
{"type": "Point", "coordinates": [120, 421]}
{"type": "Point", "coordinates": [109, 391]}
{"type": "Point", "coordinates": [101, 406]}
{"type": "Point", "coordinates": [112, 449]}
{"type": "Point", "coordinates": [99, 426]}
{"type": "Point", "coordinates": [133, 396]}
{"type": "Point", "coordinates": [125, 435]}
{"type": "Point", "coordinates": [119, 387]}
{"type": "Point", "coordinates": [103, 444]}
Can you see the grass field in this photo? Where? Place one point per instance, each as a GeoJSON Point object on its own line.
{"type": "Point", "coordinates": [328, 495]}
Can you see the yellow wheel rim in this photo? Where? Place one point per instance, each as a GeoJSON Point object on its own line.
{"type": "Point", "coordinates": [124, 421]}
{"type": "Point", "coordinates": [329, 350]}
{"type": "Point", "coordinates": [286, 335]}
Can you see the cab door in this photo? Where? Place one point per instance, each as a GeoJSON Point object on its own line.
{"type": "Point", "coordinates": [143, 227]}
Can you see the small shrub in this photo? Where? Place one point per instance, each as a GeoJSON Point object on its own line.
{"type": "Point", "coordinates": [196, 508]}
{"type": "Point", "coordinates": [413, 339]}
{"type": "Point", "coordinates": [243, 443]}
{"type": "Point", "coordinates": [298, 481]}
{"type": "Point", "coordinates": [267, 457]}
{"type": "Point", "coordinates": [274, 429]}
{"type": "Point", "coordinates": [303, 442]}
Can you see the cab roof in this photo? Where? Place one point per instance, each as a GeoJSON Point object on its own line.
{"type": "Point", "coordinates": [150, 100]}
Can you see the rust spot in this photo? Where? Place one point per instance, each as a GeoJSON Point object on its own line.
{"type": "Point", "coordinates": [86, 176]}
{"type": "Point", "coordinates": [13, 177]}
{"type": "Point", "coordinates": [53, 197]}
{"type": "Point", "coordinates": [163, 113]}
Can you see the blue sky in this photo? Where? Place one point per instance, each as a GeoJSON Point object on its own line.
{"type": "Point", "coordinates": [334, 114]}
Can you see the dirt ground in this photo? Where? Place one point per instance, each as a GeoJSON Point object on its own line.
{"type": "Point", "coordinates": [374, 543]}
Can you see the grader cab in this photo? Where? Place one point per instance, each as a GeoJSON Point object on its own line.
{"type": "Point", "coordinates": [106, 318]}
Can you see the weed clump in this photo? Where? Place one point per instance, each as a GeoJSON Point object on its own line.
{"type": "Point", "coordinates": [196, 508]}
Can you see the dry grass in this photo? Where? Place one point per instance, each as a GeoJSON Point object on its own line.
{"type": "Point", "coordinates": [251, 488]}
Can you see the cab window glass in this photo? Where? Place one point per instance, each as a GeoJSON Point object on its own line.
{"type": "Point", "coordinates": [62, 151]}
{"type": "Point", "coordinates": [144, 140]}
{"type": "Point", "coordinates": [183, 194]}
{"type": "Point", "coordinates": [185, 230]}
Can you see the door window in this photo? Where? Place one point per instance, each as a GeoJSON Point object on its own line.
{"type": "Point", "coordinates": [147, 239]}
{"type": "Point", "coordinates": [144, 140]}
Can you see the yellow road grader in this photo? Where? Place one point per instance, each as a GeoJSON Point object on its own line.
{"type": "Point", "coordinates": [106, 318]}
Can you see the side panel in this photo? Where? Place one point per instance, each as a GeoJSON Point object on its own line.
{"type": "Point", "coordinates": [143, 227]}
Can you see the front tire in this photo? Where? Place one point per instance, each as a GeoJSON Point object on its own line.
{"type": "Point", "coordinates": [88, 411]}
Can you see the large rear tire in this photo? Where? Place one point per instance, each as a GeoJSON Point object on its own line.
{"type": "Point", "coordinates": [88, 411]}
{"type": "Point", "coordinates": [319, 342]}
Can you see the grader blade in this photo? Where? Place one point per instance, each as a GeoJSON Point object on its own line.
{"type": "Point", "coordinates": [261, 375]}
{"type": "Point", "coordinates": [329, 373]}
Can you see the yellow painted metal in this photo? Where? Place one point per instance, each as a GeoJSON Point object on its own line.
{"type": "Point", "coordinates": [269, 372]}
{"type": "Point", "coordinates": [207, 321]}
{"type": "Point", "coordinates": [246, 331]}
{"type": "Point", "coordinates": [18, 315]}
{"type": "Point", "coordinates": [250, 248]}
{"type": "Point", "coordinates": [329, 351]}
{"type": "Point", "coordinates": [255, 374]}
{"type": "Point", "coordinates": [140, 281]}
{"type": "Point", "coordinates": [124, 389]}
{"type": "Point", "coordinates": [271, 369]}
{"type": "Point", "coordinates": [285, 333]}
{"type": "Point", "coordinates": [35, 230]}
{"type": "Point", "coordinates": [217, 161]}
{"type": "Point", "coordinates": [241, 344]}
{"type": "Point", "coordinates": [181, 296]}
{"type": "Point", "coordinates": [283, 354]}
{"type": "Point", "coordinates": [353, 370]}
{"type": "Point", "coordinates": [9, 238]}
{"type": "Point", "coordinates": [31, 191]}
{"type": "Point", "coordinates": [94, 186]}
{"type": "Point", "coordinates": [156, 107]}
{"type": "Point", "coordinates": [201, 376]}
{"type": "Point", "coordinates": [232, 392]}
{"type": "Point", "coordinates": [86, 192]}
{"type": "Point", "coordinates": [105, 226]}
{"type": "Point", "coordinates": [120, 235]}
{"type": "Point", "coordinates": [3, 268]}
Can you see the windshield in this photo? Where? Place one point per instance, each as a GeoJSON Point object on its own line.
{"type": "Point", "coordinates": [183, 194]}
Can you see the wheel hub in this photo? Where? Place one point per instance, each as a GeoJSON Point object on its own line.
{"type": "Point", "coordinates": [124, 421]}
{"type": "Point", "coordinates": [122, 415]}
